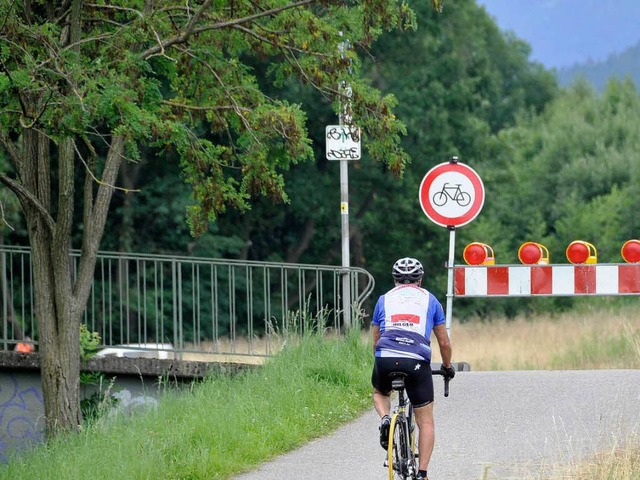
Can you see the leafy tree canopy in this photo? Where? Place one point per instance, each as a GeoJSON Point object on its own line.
{"type": "Point", "coordinates": [173, 76]}
{"type": "Point", "coordinates": [88, 89]}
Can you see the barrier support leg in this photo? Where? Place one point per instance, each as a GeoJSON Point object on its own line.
{"type": "Point", "coordinates": [450, 271]}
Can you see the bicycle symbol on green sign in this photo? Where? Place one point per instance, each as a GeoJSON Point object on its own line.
{"type": "Point", "coordinates": [453, 192]}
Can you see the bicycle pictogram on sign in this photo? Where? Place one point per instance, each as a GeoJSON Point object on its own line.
{"type": "Point", "coordinates": [451, 192]}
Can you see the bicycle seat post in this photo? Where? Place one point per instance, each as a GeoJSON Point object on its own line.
{"type": "Point", "coordinates": [397, 384]}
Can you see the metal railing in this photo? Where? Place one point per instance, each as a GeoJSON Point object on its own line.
{"type": "Point", "coordinates": [198, 305]}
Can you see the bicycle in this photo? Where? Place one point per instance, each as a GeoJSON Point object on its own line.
{"type": "Point", "coordinates": [451, 192]}
{"type": "Point", "coordinates": [401, 454]}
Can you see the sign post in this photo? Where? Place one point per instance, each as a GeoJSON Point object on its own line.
{"type": "Point", "coordinates": [343, 144]}
{"type": "Point", "coordinates": [451, 195]}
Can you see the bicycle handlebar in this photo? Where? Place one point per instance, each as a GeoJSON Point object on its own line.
{"type": "Point", "coordinates": [446, 380]}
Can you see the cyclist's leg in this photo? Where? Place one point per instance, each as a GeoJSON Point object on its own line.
{"type": "Point", "coordinates": [382, 398]}
{"type": "Point", "coordinates": [382, 385]}
{"type": "Point", "coordinates": [381, 402]}
{"type": "Point", "coordinates": [424, 420]}
{"type": "Point", "coordinates": [420, 391]}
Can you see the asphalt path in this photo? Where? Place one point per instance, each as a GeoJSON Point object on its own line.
{"type": "Point", "coordinates": [493, 425]}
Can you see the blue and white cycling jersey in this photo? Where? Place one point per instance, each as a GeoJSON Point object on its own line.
{"type": "Point", "coordinates": [406, 316]}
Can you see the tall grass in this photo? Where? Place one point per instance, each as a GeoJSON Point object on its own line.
{"type": "Point", "coordinates": [579, 340]}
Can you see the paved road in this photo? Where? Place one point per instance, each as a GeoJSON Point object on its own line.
{"type": "Point", "coordinates": [506, 422]}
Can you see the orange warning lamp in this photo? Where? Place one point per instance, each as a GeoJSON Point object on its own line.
{"type": "Point", "coordinates": [630, 251]}
{"type": "Point", "coordinates": [477, 253]}
{"type": "Point", "coordinates": [532, 253]}
{"type": "Point", "coordinates": [580, 251]}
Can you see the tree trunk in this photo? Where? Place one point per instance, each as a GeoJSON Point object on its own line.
{"type": "Point", "coordinates": [60, 299]}
{"type": "Point", "coordinates": [50, 245]}
{"type": "Point", "coordinates": [59, 341]}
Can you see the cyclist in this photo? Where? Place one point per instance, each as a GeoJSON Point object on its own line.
{"type": "Point", "coordinates": [403, 320]}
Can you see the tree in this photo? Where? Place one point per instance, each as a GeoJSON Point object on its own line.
{"type": "Point", "coordinates": [458, 80]}
{"type": "Point", "coordinates": [83, 86]}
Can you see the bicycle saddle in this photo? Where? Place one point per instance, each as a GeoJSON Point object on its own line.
{"type": "Point", "coordinates": [397, 380]}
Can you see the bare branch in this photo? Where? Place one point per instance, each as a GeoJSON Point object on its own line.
{"type": "Point", "coordinates": [194, 20]}
{"type": "Point", "coordinates": [114, 7]}
{"type": "Point", "coordinates": [97, 38]}
{"type": "Point", "coordinates": [4, 219]}
{"type": "Point", "coordinates": [63, 11]}
{"type": "Point", "coordinates": [192, 30]}
{"type": "Point", "coordinates": [90, 172]}
{"type": "Point", "coordinates": [96, 219]}
{"type": "Point", "coordinates": [184, 106]}
{"type": "Point", "coordinates": [38, 116]}
{"type": "Point", "coordinates": [26, 197]}
{"type": "Point", "coordinates": [266, 40]}
{"type": "Point", "coordinates": [4, 22]}
{"type": "Point", "coordinates": [10, 148]}
{"type": "Point", "coordinates": [8, 74]}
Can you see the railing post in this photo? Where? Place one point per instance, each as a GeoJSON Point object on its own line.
{"type": "Point", "coordinates": [174, 296]}
{"type": "Point", "coordinates": [5, 326]}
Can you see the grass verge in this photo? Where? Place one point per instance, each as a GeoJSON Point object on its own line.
{"type": "Point", "coordinates": [223, 426]}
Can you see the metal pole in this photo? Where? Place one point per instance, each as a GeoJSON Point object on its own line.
{"type": "Point", "coordinates": [449, 312]}
{"type": "Point", "coordinates": [344, 214]}
{"type": "Point", "coordinates": [343, 118]}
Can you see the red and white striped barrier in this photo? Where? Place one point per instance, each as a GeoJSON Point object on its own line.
{"type": "Point", "coordinates": [547, 280]}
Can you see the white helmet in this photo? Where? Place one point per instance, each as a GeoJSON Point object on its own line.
{"type": "Point", "coordinates": [407, 270]}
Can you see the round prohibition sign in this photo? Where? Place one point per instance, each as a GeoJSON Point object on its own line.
{"type": "Point", "coordinates": [451, 194]}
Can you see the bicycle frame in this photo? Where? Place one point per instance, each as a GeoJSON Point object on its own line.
{"type": "Point", "coordinates": [401, 453]}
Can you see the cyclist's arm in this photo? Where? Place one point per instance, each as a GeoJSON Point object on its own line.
{"type": "Point", "coordinates": [440, 331]}
{"type": "Point", "coordinates": [377, 319]}
{"type": "Point", "coordinates": [376, 336]}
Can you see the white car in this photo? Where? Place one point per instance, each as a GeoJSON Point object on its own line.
{"type": "Point", "coordinates": [162, 351]}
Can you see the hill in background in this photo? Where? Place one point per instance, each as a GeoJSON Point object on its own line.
{"type": "Point", "coordinates": [593, 39]}
{"type": "Point", "coordinates": [620, 66]}
{"type": "Point", "coordinates": [563, 33]}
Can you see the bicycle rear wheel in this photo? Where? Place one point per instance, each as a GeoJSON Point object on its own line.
{"type": "Point", "coordinates": [399, 455]}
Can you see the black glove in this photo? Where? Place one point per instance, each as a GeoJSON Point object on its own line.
{"type": "Point", "coordinates": [448, 372]}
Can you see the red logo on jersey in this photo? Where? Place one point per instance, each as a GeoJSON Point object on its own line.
{"type": "Point", "coordinates": [405, 317]}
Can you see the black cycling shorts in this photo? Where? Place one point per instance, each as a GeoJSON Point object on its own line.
{"type": "Point", "coordinates": [418, 383]}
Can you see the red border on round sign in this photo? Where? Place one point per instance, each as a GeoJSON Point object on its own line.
{"type": "Point", "coordinates": [431, 176]}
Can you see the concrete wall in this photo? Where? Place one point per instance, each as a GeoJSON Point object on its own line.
{"type": "Point", "coordinates": [21, 411]}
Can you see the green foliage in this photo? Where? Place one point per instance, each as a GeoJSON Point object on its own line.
{"type": "Point", "coordinates": [89, 342]}
{"type": "Point", "coordinates": [571, 173]}
{"type": "Point", "coordinates": [557, 166]}
{"type": "Point", "coordinates": [458, 80]}
{"type": "Point", "coordinates": [182, 81]}
{"type": "Point", "coordinates": [467, 81]}
{"type": "Point", "coordinates": [98, 401]}
{"type": "Point", "coordinates": [620, 65]}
